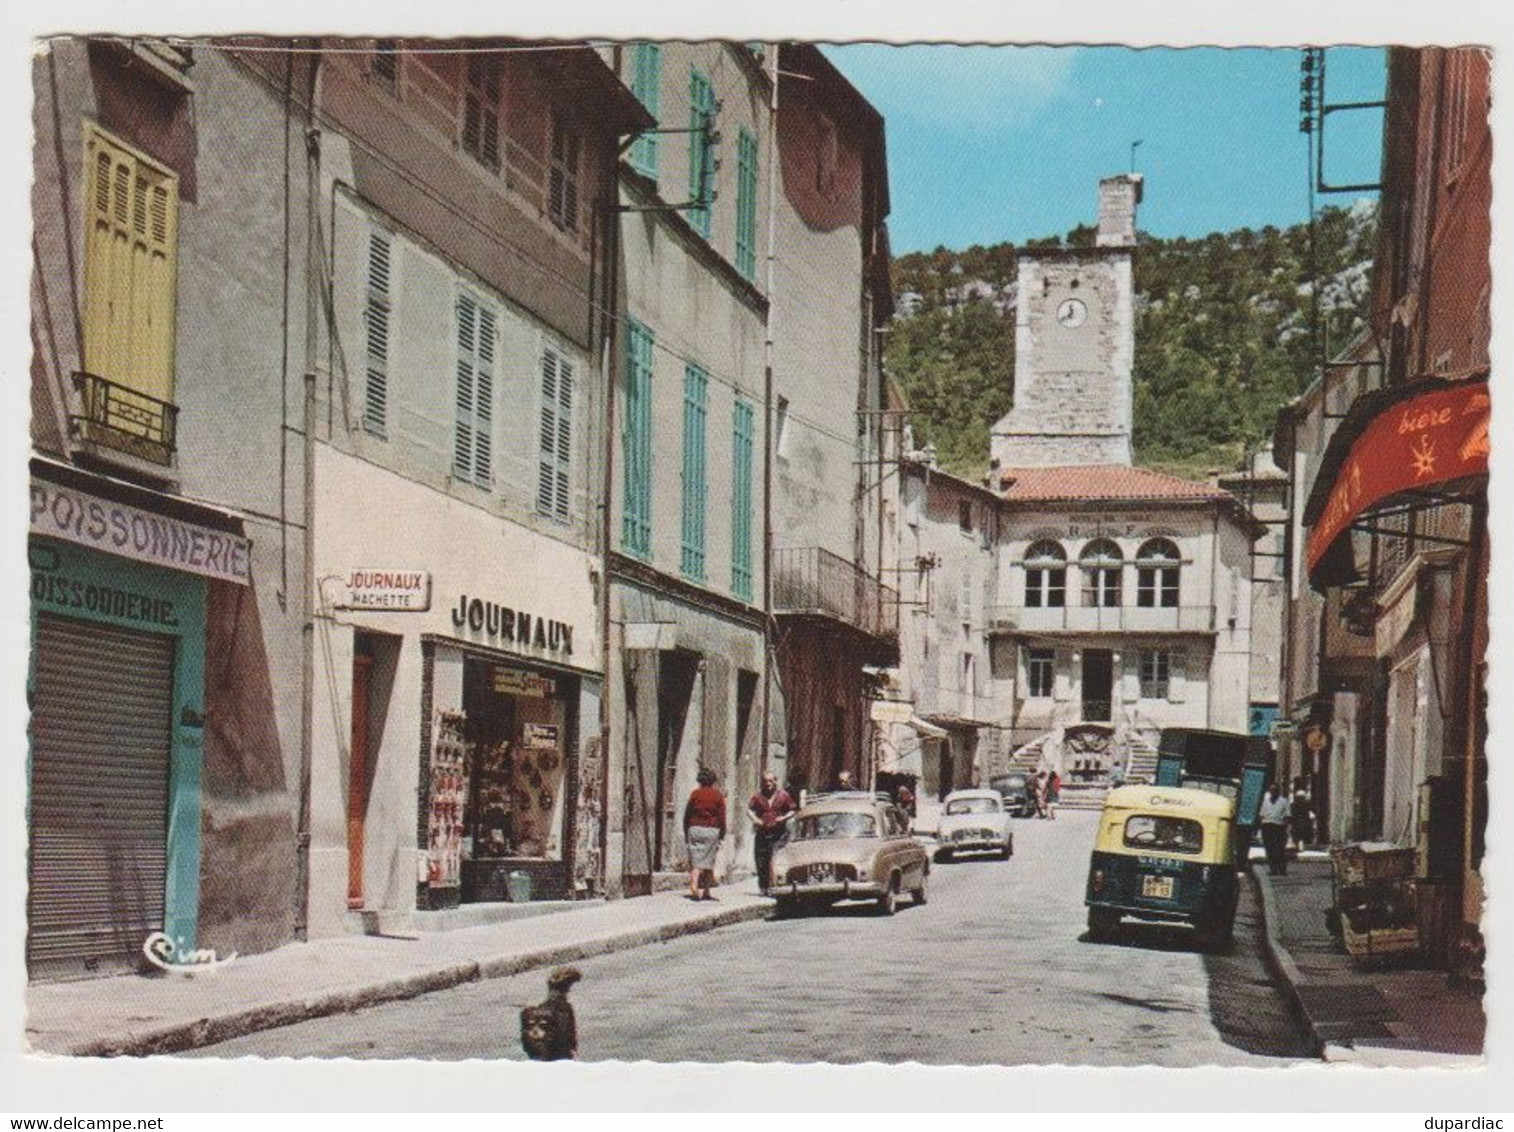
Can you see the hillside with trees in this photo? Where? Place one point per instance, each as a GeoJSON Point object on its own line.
{"type": "Point", "coordinates": [1222, 336]}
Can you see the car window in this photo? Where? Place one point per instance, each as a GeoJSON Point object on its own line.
{"type": "Point", "coordinates": [1171, 835]}
{"type": "Point", "coordinates": [973, 806]}
{"type": "Point", "coordinates": [847, 823]}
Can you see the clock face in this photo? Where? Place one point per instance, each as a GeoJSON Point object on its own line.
{"type": "Point", "coordinates": [1072, 312]}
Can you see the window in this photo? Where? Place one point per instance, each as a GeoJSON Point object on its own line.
{"type": "Point", "coordinates": [1156, 674]}
{"type": "Point", "coordinates": [636, 437]}
{"type": "Point", "coordinates": [473, 442]}
{"type": "Point", "coordinates": [696, 387]}
{"type": "Point", "coordinates": [1045, 576]}
{"type": "Point", "coordinates": [1041, 671]}
{"type": "Point", "coordinates": [974, 806]}
{"type": "Point", "coordinates": [386, 64]}
{"type": "Point", "coordinates": [376, 333]}
{"type": "Point", "coordinates": [555, 465]}
{"type": "Point", "coordinates": [1102, 564]}
{"type": "Point", "coordinates": [562, 186]}
{"type": "Point", "coordinates": [130, 263]}
{"type": "Point", "coordinates": [701, 151]}
{"type": "Point", "coordinates": [965, 516]}
{"type": "Point", "coordinates": [481, 111]}
{"type": "Point", "coordinates": [743, 419]}
{"type": "Point", "coordinates": [746, 205]}
{"type": "Point", "coordinates": [835, 825]}
{"type": "Point", "coordinates": [1157, 565]}
{"type": "Point", "coordinates": [646, 85]}
{"type": "Point", "coordinates": [1172, 835]}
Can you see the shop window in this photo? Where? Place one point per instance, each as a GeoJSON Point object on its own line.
{"type": "Point", "coordinates": [646, 85]}
{"type": "Point", "coordinates": [1045, 576]}
{"type": "Point", "coordinates": [1040, 672]}
{"type": "Point", "coordinates": [1157, 568]}
{"type": "Point", "coordinates": [1102, 565]}
{"type": "Point", "coordinates": [555, 459]}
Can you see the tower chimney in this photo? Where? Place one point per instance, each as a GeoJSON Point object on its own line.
{"type": "Point", "coordinates": [1118, 197]}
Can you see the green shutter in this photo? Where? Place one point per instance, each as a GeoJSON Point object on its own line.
{"type": "Point", "coordinates": [746, 205]}
{"type": "Point", "coordinates": [741, 499]}
{"type": "Point", "coordinates": [696, 388]}
{"type": "Point", "coordinates": [701, 151]}
{"type": "Point", "coordinates": [646, 85]}
{"type": "Point", "coordinates": [636, 443]}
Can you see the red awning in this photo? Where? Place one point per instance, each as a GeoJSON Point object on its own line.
{"type": "Point", "coordinates": [1409, 438]}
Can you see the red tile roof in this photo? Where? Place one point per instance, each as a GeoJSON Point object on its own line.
{"type": "Point", "coordinates": [1100, 482]}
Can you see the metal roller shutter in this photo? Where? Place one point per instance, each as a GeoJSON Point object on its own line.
{"type": "Point", "coordinates": [101, 742]}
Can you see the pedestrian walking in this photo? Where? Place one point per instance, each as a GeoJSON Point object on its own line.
{"type": "Point", "coordinates": [1275, 812]}
{"type": "Point", "coordinates": [771, 812]}
{"type": "Point", "coordinates": [1038, 793]}
{"type": "Point", "coordinates": [1053, 794]}
{"type": "Point", "coordinates": [703, 831]}
{"type": "Point", "coordinates": [1301, 815]}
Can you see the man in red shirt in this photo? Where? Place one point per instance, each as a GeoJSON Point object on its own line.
{"type": "Point", "coordinates": [770, 811]}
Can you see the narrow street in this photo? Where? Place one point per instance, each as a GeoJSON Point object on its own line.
{"type": "Point", "coordinates": [992, 970]}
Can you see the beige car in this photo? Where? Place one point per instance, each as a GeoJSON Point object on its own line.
{"type": "Point", "coordinates": [849, 847]}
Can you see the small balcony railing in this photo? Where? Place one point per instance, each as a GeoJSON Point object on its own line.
{"type": "Point", "coordinates": [114, 416]}
{"type": "Point", "coordinates": [1104, 619]}
{"type": "Point", "coordinates": [812, 581]}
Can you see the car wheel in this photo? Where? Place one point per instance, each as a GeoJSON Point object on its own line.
{"type": "Point", "coordinates": [1102, 923]}
{"type": "Point", "coordinates": [918, 896]}
{"type": "Point", "coordinates": [888, 903]}
{"type": "Point", "coordinates": [785, 908]}
{"type": "Point", "coordinates": [943, 856]}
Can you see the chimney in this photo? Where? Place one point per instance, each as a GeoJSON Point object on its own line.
{"type": "Point", "coordinates": [1118, 197]}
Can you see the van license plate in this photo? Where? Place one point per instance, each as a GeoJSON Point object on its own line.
{"type": "Point", "coordinates": [1158, 888]}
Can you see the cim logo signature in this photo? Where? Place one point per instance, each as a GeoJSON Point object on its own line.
{"type": "Point", "coordinates": [166, 955]}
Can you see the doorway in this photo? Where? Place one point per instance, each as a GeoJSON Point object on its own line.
{"type": "Point", "coordinates": [1098, 685]}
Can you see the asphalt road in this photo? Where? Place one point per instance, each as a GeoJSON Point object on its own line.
{"type": "Point", "coordinates": [992, 970]}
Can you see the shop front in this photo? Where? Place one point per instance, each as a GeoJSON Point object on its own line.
{"type": "Point", "coordinates": [116, 688]}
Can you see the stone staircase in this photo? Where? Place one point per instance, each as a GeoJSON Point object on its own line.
{"type": "Point", "coordinates": [1140, 761]}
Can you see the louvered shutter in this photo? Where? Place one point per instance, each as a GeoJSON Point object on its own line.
{"type": "Point", "coordinates": [554, 471]}
{"type": "Point", "coordinates": [741, 500]}
{"type": "Point", "coordinates": [646, 85]}
{"type": "Point", "coordinates": [701, 151]}
{"type": "Point", "coordinates": [695, 399]}
{"type": "Point", "coordinates": [636, 443]}
{"type": "Point", "coordinates": [101, 750]}
{"type": "Point", "coordinates": [467, 335]}
{"type": "Point", "coordinates": [483, 407]}
{"type": "Point", "coordinates": [472, 454]}
{"type": "Point", "coordinates": [376, 324]}
{"type": "Point", "coordinates": [746, 204]}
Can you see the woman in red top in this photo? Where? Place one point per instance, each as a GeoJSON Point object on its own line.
{"type": "Point", "coordinates": [703, 829]}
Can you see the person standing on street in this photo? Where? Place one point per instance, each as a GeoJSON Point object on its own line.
{"type": "Point", "coordinates": [703, 831]}
{"type": "Point", "coordinates": [770, 811]}
{"type": "Point", "coordinates": [1301, 817]}
{"type": "Point", "coordinates": [1053, 793]}
{"type": "Point", "coordinates": [1038, 793]}
{"type": "Point", "coordinates": [1274, 820]}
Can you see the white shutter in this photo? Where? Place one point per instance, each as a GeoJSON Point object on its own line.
{"type": "Point", "coordinates": [467, 335]}
{"type": "Point", "coordinates": [555, 459]}
{"type": "Point", "coordinates": [376, 325]}
{"type": "Point", "coordinates": [472, 453]}
{"type": "Point", "coordinates": [483, 411]}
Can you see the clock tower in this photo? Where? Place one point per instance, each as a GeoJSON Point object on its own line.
{"type": "Point", "coordinates": [1075, 345]}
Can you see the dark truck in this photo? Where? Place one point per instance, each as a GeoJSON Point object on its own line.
{"type": "Point", "coordinates": [1225, 762]}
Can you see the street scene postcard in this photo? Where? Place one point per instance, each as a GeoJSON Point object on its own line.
{"type": "Point", "coordinates": [757, 551]}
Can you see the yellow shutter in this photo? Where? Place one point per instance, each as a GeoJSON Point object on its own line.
{"type": "Point", "coordinates": [130, 266]}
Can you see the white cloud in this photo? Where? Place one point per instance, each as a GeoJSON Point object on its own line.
{"type": "Point", "coordinates": [956, 87]}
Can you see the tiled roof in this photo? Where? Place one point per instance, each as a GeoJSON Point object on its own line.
{"type": "Point", "coordinates": [1098, 482]}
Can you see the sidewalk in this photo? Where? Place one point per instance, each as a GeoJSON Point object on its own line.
{"type": "Point", "coordinates": [1402, 1017]}
{"type": "Point", "coordinates": [137, 1015]}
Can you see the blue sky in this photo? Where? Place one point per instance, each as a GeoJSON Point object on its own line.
{"type": "Point", "coordinates": [1008, 143]}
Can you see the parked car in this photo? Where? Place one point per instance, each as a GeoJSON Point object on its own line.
{"type": "Point", "coordinates": [849, 847]}
{"type": "Point", "coordinates": [1014, 788]}
{"type": "Point", "coordinates": [974, 821]}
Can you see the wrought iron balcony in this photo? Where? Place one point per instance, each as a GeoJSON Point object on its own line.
{"type": "Point", "coordinates": [810, 581]}
{"type": "Point", "coordinates": [114, 416]}
{"type": "Point", "coordinates": [1104, 619]}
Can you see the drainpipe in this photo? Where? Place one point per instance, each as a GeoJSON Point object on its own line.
{"type": "Point", "coordinates": [767, 431]}
{"type": "Point", "coordinates": [307, 633]}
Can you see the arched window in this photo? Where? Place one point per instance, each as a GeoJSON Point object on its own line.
{"type": "Point", "coordinates": [1045, 576]}
{"type": "Point", "coordinates": [1157, 565]}
{"type": "Point", "coordinates": [1102, 565]}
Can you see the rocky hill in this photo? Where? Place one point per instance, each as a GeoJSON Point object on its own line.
{"type": "Point", "coordinates": [1222, 336]}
